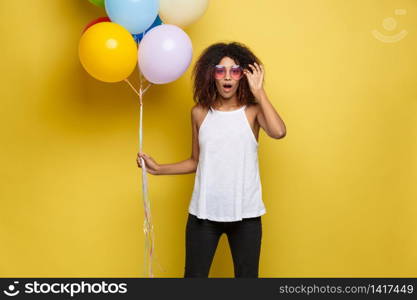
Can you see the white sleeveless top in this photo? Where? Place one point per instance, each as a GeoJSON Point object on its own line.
{"type": "Point", "coordinates": [227, 184]}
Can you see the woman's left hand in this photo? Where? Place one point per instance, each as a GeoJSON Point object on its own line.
{"type": "Point", "coordinates": [255, 78]}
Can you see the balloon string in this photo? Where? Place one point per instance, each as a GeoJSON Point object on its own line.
{"type": "Point", "coordinates": [131, 85]}
{"type": "Point", "coordinates": [147, 224]}
{"type": "Point", "coordinates": [146, 88]}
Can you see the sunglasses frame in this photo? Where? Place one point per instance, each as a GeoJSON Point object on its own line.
{"type": "Point", "coordinates": [225, 72]}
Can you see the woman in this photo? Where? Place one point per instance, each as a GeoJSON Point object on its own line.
{"type": "Point", "coordinates": [231, 106]}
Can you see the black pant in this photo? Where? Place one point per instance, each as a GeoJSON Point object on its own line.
{"type": "Point", "coordinates": [202, 237]}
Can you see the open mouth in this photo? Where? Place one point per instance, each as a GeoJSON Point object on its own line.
{"type": "Point", "coordinates": [227, 87]}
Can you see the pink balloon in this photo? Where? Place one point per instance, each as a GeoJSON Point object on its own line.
{"type": "Point", "coordinates": [164, 53]}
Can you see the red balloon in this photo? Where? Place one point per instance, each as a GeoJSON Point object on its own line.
{"type": "Point", "coordinates": [98, 20]}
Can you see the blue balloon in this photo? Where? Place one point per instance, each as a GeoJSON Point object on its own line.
{"type": "Point", "coordinates": [134, 15]}
{"type": "Point", "coordinates": [139, 36]}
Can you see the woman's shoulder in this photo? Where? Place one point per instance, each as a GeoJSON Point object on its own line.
{"type": "Point", "coordinates": [198, 112]}
{"type": "Point", "coordinates": [198, 109]}
{"type": "Point", "coordinates": [198, 106]}
{"type": "Point", "coordinates": [253, 108]}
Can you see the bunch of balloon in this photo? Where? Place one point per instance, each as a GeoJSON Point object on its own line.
{"type": "Point", "coordinates": [147, 33]}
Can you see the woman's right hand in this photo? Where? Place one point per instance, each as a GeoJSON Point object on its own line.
{"type": "Point", "coordinates": [152, 166]}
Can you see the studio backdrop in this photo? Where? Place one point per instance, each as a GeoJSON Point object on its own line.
{"type": "Point", "coordinates": [339, 189]}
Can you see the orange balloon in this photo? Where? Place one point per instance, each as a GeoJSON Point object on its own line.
{"type": "Point", "coordinates": [108, 52]}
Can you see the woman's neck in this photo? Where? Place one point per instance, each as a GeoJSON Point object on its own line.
{"type": "Point", "coordinates": [228, 104]}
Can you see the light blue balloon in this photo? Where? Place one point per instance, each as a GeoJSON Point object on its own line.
{"type": "Point", "coordinates": [134, 15]}
{"type": "Point", "coordinates": [138, 37]}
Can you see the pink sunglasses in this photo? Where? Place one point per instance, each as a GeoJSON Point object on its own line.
{"type": "Point", "coordinates": [236, 72]}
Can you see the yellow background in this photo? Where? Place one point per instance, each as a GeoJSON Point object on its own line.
{"type": "Point", "coordinates": [339, 188]}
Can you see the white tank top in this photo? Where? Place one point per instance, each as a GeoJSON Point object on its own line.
{"type": "Point", "coordinates": [227, 184]}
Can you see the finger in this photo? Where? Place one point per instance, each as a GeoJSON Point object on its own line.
{"type": "Point", "coordinates": [140, 161]}
{"type": "Point", "coordinates": [257, 67]}
{"type": "Point", "coordinates": [145, 158]}
{"type": "Point", "coordinates": [252, 67]}
{"type": "Point", "coordinates": [255, 71]}
{"type": "Point", "coordinates": [262, 70]}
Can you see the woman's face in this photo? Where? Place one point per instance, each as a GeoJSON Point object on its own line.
{"type": "Point", "coordinates": [227, 86]}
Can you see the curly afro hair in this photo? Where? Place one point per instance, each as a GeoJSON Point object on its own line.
{"type": "Point", "coordinates": [204, 89]}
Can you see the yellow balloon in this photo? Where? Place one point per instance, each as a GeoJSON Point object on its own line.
{"type": "Point", "coordinates": [108, 52]}
{"type": "Point", "coordinates": [181, 12]}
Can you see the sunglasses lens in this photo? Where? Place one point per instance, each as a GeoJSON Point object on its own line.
{"type": "Point", "coordinates": [219, 72]}
{"type": "Point", "coordinates": [236, 73]}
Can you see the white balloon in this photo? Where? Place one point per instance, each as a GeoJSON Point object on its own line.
{"type": "Point", "coordinates": [164, 53]}
{"type": "Point", "coordinates": [181, 12]}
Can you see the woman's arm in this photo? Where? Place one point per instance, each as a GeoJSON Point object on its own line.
{"type": "Point", "coordinates": [183, 167]}
{"type": "Point", "coordinates": [267, 116]}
